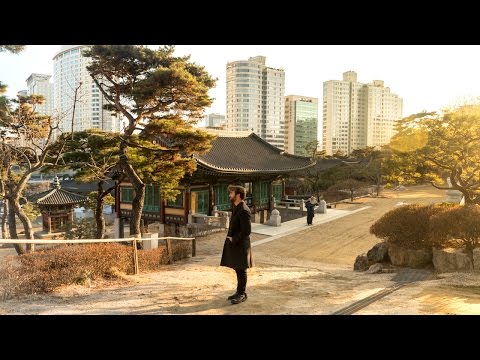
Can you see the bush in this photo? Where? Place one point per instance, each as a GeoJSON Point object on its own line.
{"type": "Point", "coordinates": [46, 270]}
{"type": "Point", "coordinates": [81, 229]}
{"type": "Point", "coordinates": [407, 226]}
{"type": "Point", "coordinates": [457, 224]}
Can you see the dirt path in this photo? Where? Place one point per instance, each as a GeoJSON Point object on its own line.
{"type": "Point", "coordinates": [308, 272]}
{"type": "Point", "coordinates": [341, 240]}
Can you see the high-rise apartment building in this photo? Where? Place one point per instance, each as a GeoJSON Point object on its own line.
{"type": "Point", "coordinates": [69, 73]}
{"type": "Point", "coordinates": [214, 120]}
{"type": "Point", "coordinates": [356, 115]}
{"type": "Point", "coordinates": [39, 84]}
{"type": "Point", "coordinates": [301, 120]}
{"type": "Point", "coordinates": [255, 99]}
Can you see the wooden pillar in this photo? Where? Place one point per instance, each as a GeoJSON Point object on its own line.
{"type": "Point", "coordinates": [49, 224]}
{"type": "Point", "coordinates": [163, 203]}
{"type": "Point", "coordinates": [121, 228]}
{"type": "Point", "coordinates": [187, 202]}
{"type": "Point", "coordinates": [211, 198]}
{"type": "Point", "coordinates": [117, 200]}
{"type": "Point", "coordinates": [44, 222]}
{"type": "Point", "coordinates": [270, 196]}
{"type": "Point", "coordinates": [168, 246]}
{"type": "Point", "coordinates": [135, 257]}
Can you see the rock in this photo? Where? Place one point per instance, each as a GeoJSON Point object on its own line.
{"type": "Point", "coordinates": [400, 256]}
{"type": "Point", "coordinates": [322, 207]}
{"type": "Point", "coordinates": [275, 218]}
{"type": "Point", "coordinates": [375, 269]}
{"type": "Point", "coordinates": [361, 263]}
{"type": "Point", "coordinates": [447, 260]}
{"type": "Point", "coordinates": [378, 253]}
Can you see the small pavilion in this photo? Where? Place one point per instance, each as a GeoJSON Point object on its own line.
{"type": "Point", "coordinates": [56, 206]}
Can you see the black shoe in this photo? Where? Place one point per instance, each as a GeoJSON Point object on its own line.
{"type": "Point", "coordinates": [239, 298]}
{"type": "Point", "coordinates": [232, 296]}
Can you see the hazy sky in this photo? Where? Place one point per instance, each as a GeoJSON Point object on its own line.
{"type": "Point", "coordinates": [426, 76]}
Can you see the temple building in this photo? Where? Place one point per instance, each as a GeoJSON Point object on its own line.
{"type": "Point", "coordinates": [245, 160]}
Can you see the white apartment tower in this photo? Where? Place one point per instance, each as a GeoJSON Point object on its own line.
{"type": "Point", "coordinates": [70, 72]}
{"type": "Point", "coordinates": [255, 99]}
{"type": "Point", "coordinates": [214, 120]}
{"type": "Point", "coordinates": [39, 84]}
{"type": "Point", "coordinates": [357, 115]}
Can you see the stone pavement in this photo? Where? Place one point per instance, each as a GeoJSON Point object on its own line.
{"type": "Point", "coordinates": [292, 226]}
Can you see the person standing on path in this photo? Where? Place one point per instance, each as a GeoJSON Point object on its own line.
{"type": "Point", "coordinates": [237, 251]}
{"type": "Point", "coordinates": [310, 205]}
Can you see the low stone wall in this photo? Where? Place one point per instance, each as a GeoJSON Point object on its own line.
{"type": "Point", "coordinates": [443, 260]}
{"type": "Point", "coordinates": [290, 214]}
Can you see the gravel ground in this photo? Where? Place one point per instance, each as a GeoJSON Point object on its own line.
{"type": "Point", "coordinates": [308, 272]}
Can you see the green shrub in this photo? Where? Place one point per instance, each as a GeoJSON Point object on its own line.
{"type": "Point", "coordinates": [457, 224]}
{"type": "Point", "coordinates": [81, 229]}
{"type": "Point", "coordinates": [407, 226]}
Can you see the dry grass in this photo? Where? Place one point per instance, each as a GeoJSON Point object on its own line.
{"type": "Point", "coordinates": [46, 270]}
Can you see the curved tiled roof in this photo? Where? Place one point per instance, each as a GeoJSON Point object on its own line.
{"type": "Point", "coordinates": [57, 197]}
{"type": "Point", "coordinates": [250, 154]}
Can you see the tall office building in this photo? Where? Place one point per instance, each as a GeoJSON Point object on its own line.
{"type": "Point", "coordinates": [39, 84]}
{"type": "Point", "coordinates": [69, 73]}
{"type": "Point", "coordinates": [357, 115]}
{"type": "Point", "coordinates": [255, 99]}
{"type": "Point", "coordinates": [301, 119]}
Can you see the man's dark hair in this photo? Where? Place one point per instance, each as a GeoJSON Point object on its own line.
{"type": "Point", "coordinates": [238, 190]}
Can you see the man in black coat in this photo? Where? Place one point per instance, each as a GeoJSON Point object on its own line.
{"type": "Point", "coordinates": [237, 252]}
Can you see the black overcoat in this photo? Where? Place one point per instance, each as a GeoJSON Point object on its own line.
{"type": "Point", "coordinates": [310, 208]}
{"type": "Point", "coordinates": [237, 254]}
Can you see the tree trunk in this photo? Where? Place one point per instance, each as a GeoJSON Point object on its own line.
{"type": "Point", "coordinates": [468, 200]}
{"type": "Point", "coordinates": [5, 234]}
{"type": "Point", "coordinates": [27, 224]}
{"type": "Point", "coordinates": [137, 208]}
{"type": "Point", "coordinates": [379, 184]}
{"type": "Point", "coordinates": [139, 187]}
{"type": "Point", "coordinates": [99, 217]}
{"type": "Point", "coordinates": [12, 226]}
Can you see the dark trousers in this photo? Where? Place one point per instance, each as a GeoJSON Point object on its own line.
{"type": "Point", "coordinates": [241, 280]}
{"type": "Point", "coordinates": [309, 218]}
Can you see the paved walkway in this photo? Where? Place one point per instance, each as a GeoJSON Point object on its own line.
{"type": "Point", "coordinates": [292, 226]}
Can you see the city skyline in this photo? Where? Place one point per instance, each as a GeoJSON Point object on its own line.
{"type": "Point", "coordinates": [427, 77]}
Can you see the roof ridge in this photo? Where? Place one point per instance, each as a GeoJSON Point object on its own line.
{"type": "Point", "coordinates": [265, 142]}
{"type": "Point", "coordinates": [250, 154]}
{"type": "Point", "coordinates": [69, 192]}
{"type": "Point", "coordinates": [50, 192]}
